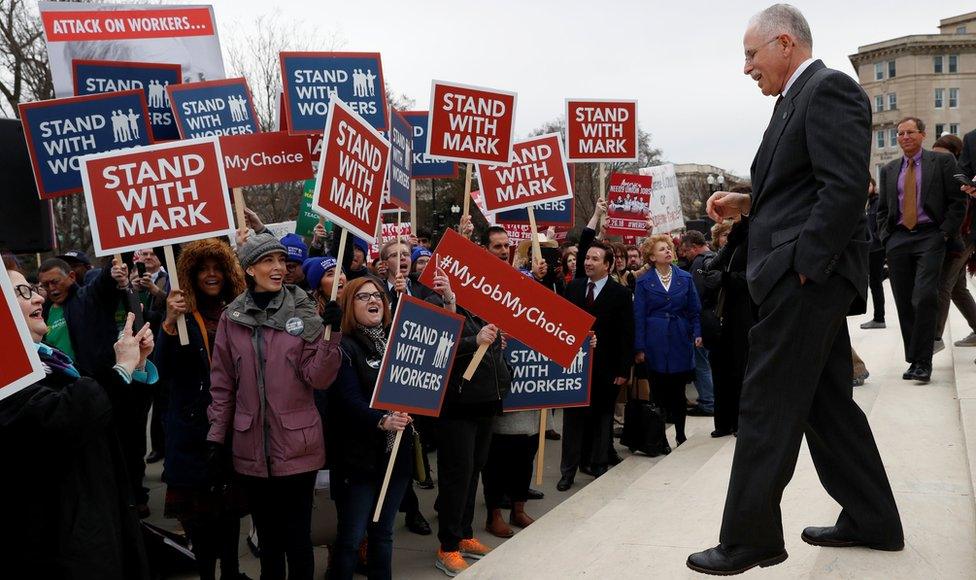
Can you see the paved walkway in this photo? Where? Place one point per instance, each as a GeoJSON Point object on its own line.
{"type": "Point", "coordinates": [643, 517]}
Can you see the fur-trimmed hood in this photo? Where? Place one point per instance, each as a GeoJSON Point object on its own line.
{"type": "Point", "coordinates": [191, 259]}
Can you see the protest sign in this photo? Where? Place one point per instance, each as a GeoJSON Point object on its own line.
{"type": "Point", "coordinates": [401, 161]}
{"type": "Point", "coordinates": [60, 131]}
{"type": "Point", "coordinates": [666, 214]}
{"type": "Point", "coordinates": [103, 76]}
{"type": "Point", "coordinates": [537, 173]}
{"type": "Point", "coordinates": [425, 166]}
{"type": "Point", "coordinates": [551, 213]}
{"type": "Point", "coordinates": [388, 232]}
{"type": "Point", "coordinates": [471, 124]}
{"type": "Point", "coordinates": [183, 35]}
{"type": "Point", "coordinates": [539, 383]}
{"type": "Point", "coordinates": [493, 290]}
{"type": "Point", "coordinates": [21, 366]}
{"type": "Point", "coordinates": [352, 172]}
{"type": "Point", "coordinates": [418, 359]}
{"type": "Point", "coordinates": [163, 194]}
{"type": "Point", "coordinates": [628, 204]}
{"type": "Point", "coordinates": [222, 107]}
{"type": "Point", "coordinates": [518, 233]}
{"type": "Point", "coordinates": [307, 218]}
{"type": "Point", "coordinates": [601, 130]}
{"type": "Point", "coordinates": [262, 158]}
{"type": "Point", "coordinates": [311, 79]}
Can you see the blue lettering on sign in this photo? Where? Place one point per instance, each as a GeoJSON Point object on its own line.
{"type": "Point", "coordinates": [214, 108]}
{"type": "Point", "coordinates": [553, 213]}
{"type": "Point", "coordinates": [310, 80]}
{"type": "Point", "coordinates": [539, 383]}
{"type": "Point", "coordinates": [419, 357]}
{"type": "Point", "coordinates": [424, 166]}
{"type": "Point", "coordinates": [401, 161]}
{"type": "Point", "coordinates": [60, 131]}
{"type": "Point", "coordinates": [93, 77]}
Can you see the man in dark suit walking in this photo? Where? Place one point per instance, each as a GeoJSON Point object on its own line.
{"type": "Point", "coordinates": [807, 262]}
{"type": "Point", "coordinates": [920, 210]}
{"type": "Point", "coordinates": [588, 431]}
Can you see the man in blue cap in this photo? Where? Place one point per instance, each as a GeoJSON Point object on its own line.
{"type": "Point", "coordinates": [297, 253]}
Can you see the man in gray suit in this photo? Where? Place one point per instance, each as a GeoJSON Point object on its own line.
{"type": "Point", "coordinates": [920, 211]}
{"type": "Point", "coordinates": [807, 263]}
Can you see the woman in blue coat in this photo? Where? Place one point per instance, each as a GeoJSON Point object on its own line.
{"type": "Point", "coordinates": [667, 327]}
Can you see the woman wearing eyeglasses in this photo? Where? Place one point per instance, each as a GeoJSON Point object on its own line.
{"type": "Point", "coordinates": [66, 506]}
{"type": "Point", "coordinates": [269, 354]}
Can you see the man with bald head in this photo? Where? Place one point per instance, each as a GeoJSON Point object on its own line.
{"type": "Point", "coordinates": [807, 266]}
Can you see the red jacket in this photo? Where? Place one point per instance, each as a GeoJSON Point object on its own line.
{"type": "Point", "coordinates": [268, 398]}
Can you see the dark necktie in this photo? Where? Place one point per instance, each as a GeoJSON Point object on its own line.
{"type": "Point", "coordinates": [909, 206]}
{"type": "Point", "coordinates": [589, 294]}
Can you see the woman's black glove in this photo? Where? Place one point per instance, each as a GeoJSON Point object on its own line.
{"type": "Point", "coordinates": [332, 315]}
{"type": "Point", "coordinates": [216, 464]}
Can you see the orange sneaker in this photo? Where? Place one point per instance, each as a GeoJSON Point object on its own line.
{"type": "Point", "coordinates": [473, 548]}
{"type": "Point", "coordinates": [451, 563]}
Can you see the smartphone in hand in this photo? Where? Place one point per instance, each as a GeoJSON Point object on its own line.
{"type": "Point", "coordinates": [961, 178]}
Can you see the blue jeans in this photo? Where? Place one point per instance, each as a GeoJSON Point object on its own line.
{"type": "Point", "coordinates": [703, 380]}
{"type": "Point", "coordinates": [355, 499]}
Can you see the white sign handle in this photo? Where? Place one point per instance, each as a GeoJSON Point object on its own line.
{"type": "Point", "coordinates": [386, 478]}
{"type": "Point", "coordinates": [174, 284]}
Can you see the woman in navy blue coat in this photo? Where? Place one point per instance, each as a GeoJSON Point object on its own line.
{"type": "Point", "coordinates": [666, 327]}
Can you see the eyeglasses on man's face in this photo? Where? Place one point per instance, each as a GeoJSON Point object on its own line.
{"type": "Point", "coordinates": [751, 53]}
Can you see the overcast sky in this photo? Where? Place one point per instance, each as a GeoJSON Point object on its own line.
{"type": "Point", "coordinates": [682, 60]}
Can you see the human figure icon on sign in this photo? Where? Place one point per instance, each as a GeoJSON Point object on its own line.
{"type": "Point", "coordinates": [165, 94]}
{"type": "Point", "coordinates": [369, 83]}
{"type": "Point", "coordinates": [357, 83]}
{"type": "Point", "coordinates": [122, 127]}
{"type": "Point", "coordinates": [577, 365]}
{"type": "Point", "coordinates": [132, 119]}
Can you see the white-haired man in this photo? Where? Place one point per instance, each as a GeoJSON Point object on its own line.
{"type": "Point", "coordinates": [807, 263]}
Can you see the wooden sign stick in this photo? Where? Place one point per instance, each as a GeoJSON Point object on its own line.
{"type": "Point", "coordinates": [541, 455]}
{"type": "Point", "coordinates": [386, 478]}
{"type": "Point", "coordinates": [475, 361]}
{"type": "Point", "coordinates": [603, 194]}
{"type": "Point", "coordinates": [536, 249]}
{"type": "Point", "coordinates": [239, 206]}
{"type": "Point", "coordinates": [413, 207]}
{"type": "Point", "coordinates": [467, 189]}
{"type": "Point", "coordinates": [335, 279]}
{"type": "Point", "coordinates": [174, 283]}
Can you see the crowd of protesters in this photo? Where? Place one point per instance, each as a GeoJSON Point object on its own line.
{"type": "Point", "coordinates": [276, 377]}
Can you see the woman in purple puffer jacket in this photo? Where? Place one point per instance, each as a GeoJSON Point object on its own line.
{"type": "Point", "coordinates": [269, 354]}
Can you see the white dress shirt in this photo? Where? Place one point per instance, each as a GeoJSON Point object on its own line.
{"type": "Point", "coordinates": [597, 285]}
{"type": "Point", "coordinates": [796, 74]}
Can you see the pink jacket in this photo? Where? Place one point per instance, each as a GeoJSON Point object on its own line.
{"type": "Point", "coordinates": [276, 426]}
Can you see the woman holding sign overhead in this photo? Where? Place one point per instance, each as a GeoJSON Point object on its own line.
{"type": "Point", "coordinates": [360, 439]}
{"type": "Point", "coordinates": [270, 352]}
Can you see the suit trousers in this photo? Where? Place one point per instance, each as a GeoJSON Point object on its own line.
{"type": "Point", "coordinates": [508, 471]}
{"type": "Point", "coordinates": [876, 262]}
{"type": "Point", "coordinates": [914, 265]}
{"type": "Point", "coordinates": [952, 286]}
{"type": "Point", "coordinates": [587, 437]}
{"type": "Point", "coordinates": [798, 382]}
{"type": "Point", "coordinates": [462, 450]}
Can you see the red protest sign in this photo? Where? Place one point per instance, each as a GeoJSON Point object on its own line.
{"type": "Point", "coordinates": [472, 124]}
{"type": "Point", "coordinates": [628, 204]}
{"type": "Point", "coordinates": [537, 173]}
{"type": "Point", "coordinates": [21, 366]}
{"type": "Point", "coordinates": [352, 172]}
{"type": "Point", "coordinates": [601, 131]}
{"type": "Point", "coordinates": [163, 194]}
{"type": "Point", "coordinates": [262, 158]}
{"type": "Point", "coordinates": [500, 294]}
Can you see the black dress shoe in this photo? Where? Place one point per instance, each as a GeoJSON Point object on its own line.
{"type": "Point", "coordinates": [552, 435]}
{"type": "Point", "coordinates": [698, 411]}
{"type": "Point", "coordinates": [417, 523]}
{"type": "Point", "coordinates": [719, 561]}
{"type": "Point", "coordinates": [598, 470]}
{"type": "Point", "coordinates": [831, 537]}
{"type": "Point", "coordinates": [923, 373]}
{"type": "Point", "coordinates": [586, 469]}
{"type": "Point", "coordinates": [614, 459]}
{"type": "Point", "coordinates": [154, 457]}
{"type": "Point", "coordinates": [565, 482]}
{"type": "Point", "coordinates": [720, 433]}
{"type": "Point", "coordinates": [535, 494]}
{"type": "Point", "coordinates": [910, 373]}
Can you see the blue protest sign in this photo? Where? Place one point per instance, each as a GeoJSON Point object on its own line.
{"type": "Point", "coordinates": [222, 107]}
{"type": "Point", "coordinates": [60, 131]}
{"type": "Point", "coordinates": [105, 76]}
{"type": "Point", "coordinates": [401, 161]}
{"type": "Point", "coordinates": [309, 79]}
{"type": "Point", "coordinates": [418, 359]}
{"type": "Point", "coordinates": [424, 166]}
{"type": "Point", "coordinates": [552, 213]}
{"type": "Point", "coordinates": [539, 383]}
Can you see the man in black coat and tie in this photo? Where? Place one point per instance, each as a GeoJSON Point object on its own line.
{"type": "Point", "coordinates": [920, 210]}
{"type": "Point", "coordinates": [807, 263]}
{"type": "Point", "coordinates": [588, 431]}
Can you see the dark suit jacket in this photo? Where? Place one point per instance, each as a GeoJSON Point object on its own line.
{"type": "Point", "coordinates": [614, 328]}
{"type": "Point", "coordinates": [941, 197]}
{"type": "Point", "coordinates": [809, 180]}
{"type": "Point", "coordinates": [967, 165]}
{"type": "Point", "coordinates": [417, 290]}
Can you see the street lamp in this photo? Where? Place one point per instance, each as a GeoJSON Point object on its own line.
{"type": "Point", "coordinates": [720, 181]}
{"type": "Point", "coordinates": [455, 209]}
{"type": "Point", "coordinates": [711, 183]}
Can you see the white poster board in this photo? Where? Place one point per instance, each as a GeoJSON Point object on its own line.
{"type": "Point", "coordinates": [665, 212]}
